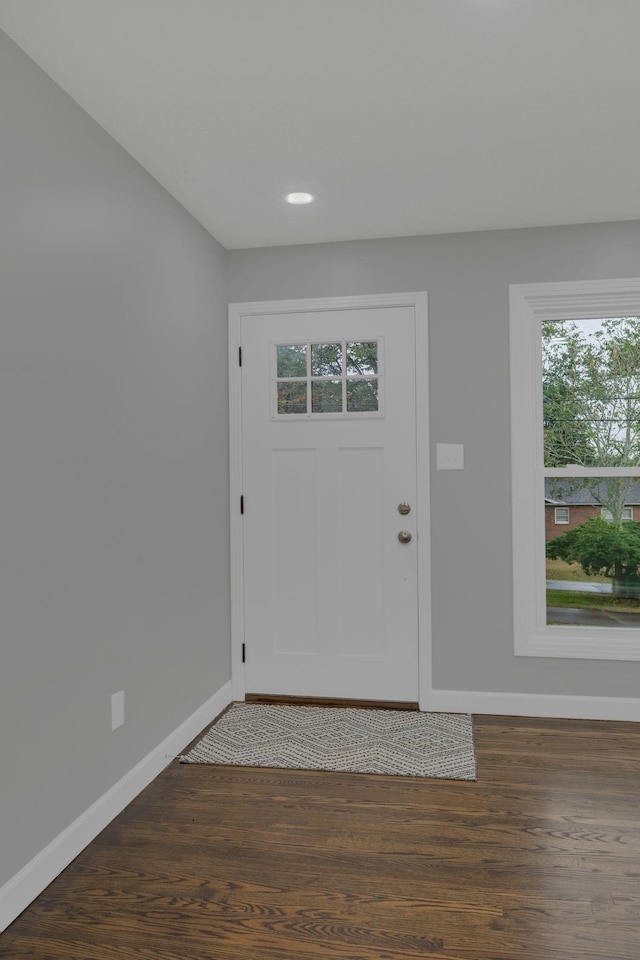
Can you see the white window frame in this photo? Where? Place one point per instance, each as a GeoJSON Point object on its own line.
{"type": "Point", "coordinates": [568, 513]}
{"type": "Point", "coordinates": [529, 306]}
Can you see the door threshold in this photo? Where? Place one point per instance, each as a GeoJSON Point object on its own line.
{"type": "Point", "coordinates": [331, 702]}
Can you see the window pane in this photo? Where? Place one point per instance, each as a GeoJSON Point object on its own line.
{"type": "Point", "coordinates": [362, 358]}
{"type": "Point", "coordinates": [593, 561]}
{"type": "Point", "coordinates": [326, 396]}
{"type": "Point", "coordinates": [326, 359]}
{"type": "Point", "coordinates": [626, 514]}
{"type": "Point", "coordinates": [591, 392]}
{"type": "Point", "coordinates": [362, 396]}
{"type": "Point", "coordinates": [292, 397]}
{"type": "Point", "coordinates": [292, 360]}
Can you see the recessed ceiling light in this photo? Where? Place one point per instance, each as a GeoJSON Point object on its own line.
{"type": "Point", "coordinates": [299, 198]}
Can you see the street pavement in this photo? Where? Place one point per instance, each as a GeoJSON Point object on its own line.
{"type": "Point", "coordinates": [591, 617]}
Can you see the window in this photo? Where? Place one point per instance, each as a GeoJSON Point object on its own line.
{"type": "Point", "coordinates": [319, 380]}
{"type": "Point", "coordinates": [625, 514]}
{"type": "Point", "coordinates": [575, 392]}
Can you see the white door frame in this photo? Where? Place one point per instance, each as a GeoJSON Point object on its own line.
{"type": "Point", "coordinates": [236, 312]}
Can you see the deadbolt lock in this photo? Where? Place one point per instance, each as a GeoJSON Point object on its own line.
{"type": "Point", "coordinates": [404, 509]}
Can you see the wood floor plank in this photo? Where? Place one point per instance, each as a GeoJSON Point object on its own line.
{"type": "Point", "coordinates": [537, 860]}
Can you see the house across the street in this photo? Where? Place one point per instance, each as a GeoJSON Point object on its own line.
{"type": "Point", "coordinates": [567, 505]}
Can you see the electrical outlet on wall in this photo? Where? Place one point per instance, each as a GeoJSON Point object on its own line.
{"type": "Point", "coordinates": [117, 709]}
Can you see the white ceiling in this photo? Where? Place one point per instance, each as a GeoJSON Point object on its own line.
{"type": "Point", "coordinates": [405, 117]}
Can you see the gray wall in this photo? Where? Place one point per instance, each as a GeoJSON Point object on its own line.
{"type": "Point", "coordinates": [467, 277]}
{"type": "Point", "coordinates": [113, 464]}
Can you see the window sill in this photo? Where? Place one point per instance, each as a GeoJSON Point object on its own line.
{"type": "Point", "coordinates": [577, 645]}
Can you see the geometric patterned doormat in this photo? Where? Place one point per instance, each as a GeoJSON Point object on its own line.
{"type": "Point", "coordinates": [347, 739]}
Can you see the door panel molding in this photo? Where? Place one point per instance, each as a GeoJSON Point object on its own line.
{"type": "Point", "coordinates": [416, 300]}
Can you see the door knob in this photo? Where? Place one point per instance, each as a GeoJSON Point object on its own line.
{"type": "Point", "coordinates": [404, 536]}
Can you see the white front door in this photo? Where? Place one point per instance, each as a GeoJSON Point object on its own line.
{"type": "Point", "coordinates": [328, 470]}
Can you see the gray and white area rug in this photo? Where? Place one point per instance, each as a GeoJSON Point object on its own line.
{"type": "Point", "coordinates": [345, 739]}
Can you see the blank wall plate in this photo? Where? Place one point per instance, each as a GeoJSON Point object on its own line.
{"type": "Point", "coordinates": [449, 456]}
{"type": "Point", "coordinates": [117, 709]}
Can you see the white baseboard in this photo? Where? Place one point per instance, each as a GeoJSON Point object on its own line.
{"type": "Point", "coordinates": [29, 882]}
{"type": "Point", "coordinates": [534, 705]}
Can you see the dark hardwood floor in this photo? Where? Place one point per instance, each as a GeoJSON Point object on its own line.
{"type": "Point", "coordinates": [539, 859]}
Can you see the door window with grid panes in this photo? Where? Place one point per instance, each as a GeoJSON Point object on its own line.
{"type": "Point", "coordinates": [341, 378]}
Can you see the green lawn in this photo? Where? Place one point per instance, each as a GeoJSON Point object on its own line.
{"type": "Point", "coordinates": [603, 601]}
{"type": "Point", "coordinates": [559, 570]}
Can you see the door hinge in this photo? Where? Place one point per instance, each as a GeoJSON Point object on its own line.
{"type": "Point", "coordinates": [243, 652]}
{"type": "Point", "coordinates": [242, 504]}
{"type": "Point", "coordinates": [239, 356]}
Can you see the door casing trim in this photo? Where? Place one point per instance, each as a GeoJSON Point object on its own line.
{"type": "Point", "coordinates": [419, 302]}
